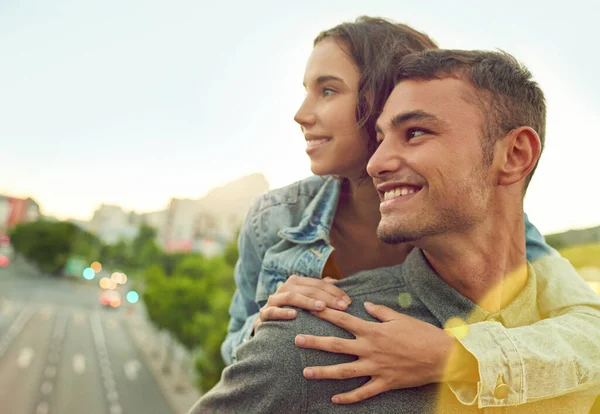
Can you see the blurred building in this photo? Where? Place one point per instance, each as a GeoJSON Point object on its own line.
{"type": "Point", "coordinates": [112, 224]}
{"type": "Point", "coordinates": [16, 210]}
{"type": "Point", "coordinates": [205, 225]}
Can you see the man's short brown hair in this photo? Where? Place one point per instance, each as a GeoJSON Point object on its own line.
{"type": "Point", "coordinates": [506, 93]}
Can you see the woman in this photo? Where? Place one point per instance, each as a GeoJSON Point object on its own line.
{"type": "Point", "coordinates": [322, 229]}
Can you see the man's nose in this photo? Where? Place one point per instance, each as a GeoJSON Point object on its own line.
{"type": "Point", "coordinates": [386, 160]}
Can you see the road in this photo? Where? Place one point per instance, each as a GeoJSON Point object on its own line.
{"type": "Point", "coordinates": [62, 353]}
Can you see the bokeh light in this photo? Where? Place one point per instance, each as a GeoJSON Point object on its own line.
{"type": "Point", "coordinates": [106, 283]}
{"type": "Point", "coordinates": [88, 273]}
{"type": "Point", "coordinates": [119, 278]}
{"type": "Point", "coordinates": [595, 285]}
{"type": "Point", "coordinates": [405, 300]}
{"type": "Point", "coordinates": [132, 296]}
{"type": "Point", "coordinates": [457, 327]}
{"type": "Point", "coordinates": [4, 261]}
{"type": "Point", "coordinates": [96, 266]}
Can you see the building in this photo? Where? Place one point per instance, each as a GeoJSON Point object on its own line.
{"type": "Point", "coordinates": [112, 224]}
{"type": "Point", "coordinates": [16, 210]}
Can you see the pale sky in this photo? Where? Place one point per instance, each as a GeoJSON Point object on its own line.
{"type": "Point", "coordinates": [134, 102]}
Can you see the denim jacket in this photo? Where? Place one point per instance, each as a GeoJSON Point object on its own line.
{"type": "Point", "coordinates": [286, 232]}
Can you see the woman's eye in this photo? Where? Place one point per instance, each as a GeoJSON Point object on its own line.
{"type": "Point", "coordinates": [328, 91]}
{"type": "Point", "coordinates": [415, 132]}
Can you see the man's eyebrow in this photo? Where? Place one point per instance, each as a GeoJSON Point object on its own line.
{"type": "Point", "coordinates": [325, 78]}
{"type": "Point", "coordinates": [418, 115]}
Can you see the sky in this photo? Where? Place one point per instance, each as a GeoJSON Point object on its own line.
{"type": "Point", "coordinates": [134, 102]}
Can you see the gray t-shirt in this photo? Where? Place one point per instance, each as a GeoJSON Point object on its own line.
{"type": "Point", "coordinates": [267, 378]}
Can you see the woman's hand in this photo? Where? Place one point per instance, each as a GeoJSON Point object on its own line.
{"type": "Point", "coordinates": [304, 293]}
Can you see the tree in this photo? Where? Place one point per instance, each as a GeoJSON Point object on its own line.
{"type": "Point", "coordinates": [49, 244]}
{"type": "Point", "coordinates": [144, 250]}
{"type": "Point", "coordinates": [192, 304]}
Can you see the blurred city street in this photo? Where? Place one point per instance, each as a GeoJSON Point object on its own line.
{"type": "Point", "coordinates": [62, 352]}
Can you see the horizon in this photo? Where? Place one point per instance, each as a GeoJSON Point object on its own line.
{"type": "Point", "coordinates": [132, 104]}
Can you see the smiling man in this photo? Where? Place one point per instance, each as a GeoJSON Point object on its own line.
{"type": "Point", "coordinates": [459, 139]}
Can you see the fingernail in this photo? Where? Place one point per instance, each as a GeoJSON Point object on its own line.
{"type": "Point", "coordinates": [300, 340]}
{"type": "Point", "coordinates": [342, 304]}
{"type": "Point", "coordinates": [368, 305]}
{"type": "Point", "coordinates": [347, 299]}
{"type": "Point", "coordinates": [309, 373]}
{"type": "Point", "coordinates": [291, 313]}
{"type": "Point", "coordinates": [335, 400]}
{"type": "Point", "coordinates": [319, 304]}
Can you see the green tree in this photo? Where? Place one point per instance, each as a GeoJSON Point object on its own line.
{"type": "Point", "coordinates": [49, 244]}
{"type": "Point", "coordinates": [144, 250]}
{"type": "Point", "coordinates": [192, 304]}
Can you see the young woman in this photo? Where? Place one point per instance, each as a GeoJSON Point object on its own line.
{"type": "Point", "coordinates": [323, 228]}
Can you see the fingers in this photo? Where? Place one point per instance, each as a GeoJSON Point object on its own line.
{"type": "Point", "coordinates": [273, 313]}
{"type": "Point", "coordinates": [296, 299]}
{"type": "Point", "coordinates": [310, 294]}
{"type": "Point", "coordinates": [340, 371]}
{"type": "Point", "coordinates": [328, 344]}
{"type": "Point", "coordinates": [382, 313]}
{"type": "Point", "coordinates": [316, 284]}
{"type": "Point", "coordinates": [344, 320]}
{"type": "Point", "coordinates": [370, 389]}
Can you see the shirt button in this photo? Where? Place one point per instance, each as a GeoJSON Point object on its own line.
{"type": "Point", "coordinates": [501, 391]}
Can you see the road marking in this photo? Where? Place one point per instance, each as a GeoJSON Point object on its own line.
{"type": "Point", "coordinates": [132, 368]}
{"type": "Point", "coordinates": [15, 328]}
{"type": "Point", "coordinates": [25, 357]}
{"type": "Point", "coordinates": [115, 409]}
{"type": "Point", "coordinates": [50, 371]}
{"type": "Point", "coordinates": [7, 307]}
{"type": "Point", "coordinates": [78, 318]}
{"type": "Point", "coordinates": [112, 395]}
{"type": "Point", "coordinates": [53, 357]}
{"type": "Point", "coordinates": [46, 313]}
{"type": "Point", "coordinates": [79, 363]}
{"type": "Point", "coordinates": [42, 408]}
{"type": "Point", "coordinates": [100, 342]}
{"type": "Point", "coordinates": [46, 387]}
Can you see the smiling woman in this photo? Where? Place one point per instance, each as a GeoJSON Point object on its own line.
{"type": "Point", "coordinates": [298, 240]}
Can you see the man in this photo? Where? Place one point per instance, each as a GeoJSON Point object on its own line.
{"type": "Point", "coordinates": [462, 132]}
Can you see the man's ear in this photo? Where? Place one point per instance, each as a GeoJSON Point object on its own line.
{"type": "Point", "coordinates": [521, 150]}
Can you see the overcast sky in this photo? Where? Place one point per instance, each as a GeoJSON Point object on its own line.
{"type": "Point", "coordinates": [133, 102]}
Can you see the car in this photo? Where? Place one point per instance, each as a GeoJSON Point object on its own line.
{"type": "Point", "coordinates": [110, 299]}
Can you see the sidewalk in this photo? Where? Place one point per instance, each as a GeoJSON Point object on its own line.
{"type": "Point", "coordinates": [174, 384]}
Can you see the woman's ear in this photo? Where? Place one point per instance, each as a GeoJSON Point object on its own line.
{"type": "Point", "coordinates": [522, 148]}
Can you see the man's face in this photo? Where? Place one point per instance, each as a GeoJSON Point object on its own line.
{"type": "Point", "coordinates": [429, 168]}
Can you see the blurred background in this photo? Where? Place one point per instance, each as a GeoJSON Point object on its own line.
{"type": "Point", "coordinates": [135, 135]}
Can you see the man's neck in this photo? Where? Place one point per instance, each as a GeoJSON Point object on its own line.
{"type": "Point", "coordinates": [359, 203]}
{"type": "Point", "coordinates": [487, 264]}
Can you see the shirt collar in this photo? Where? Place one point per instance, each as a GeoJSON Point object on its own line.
{"type": "Point", "coordinates": [317, 217]}
{"type": "Point", "coordinates": [444, 302]}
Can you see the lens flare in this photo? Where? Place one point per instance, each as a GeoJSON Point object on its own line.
{"type": "Point", "coordinates": [96, 266]}
{"type": "Point", "coordinates": [132, 296]}
{"type": "Point", "coordinates": [88, 273]}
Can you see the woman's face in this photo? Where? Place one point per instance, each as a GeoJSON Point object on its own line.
{"type": "Point", "coordinates": [334, 141]}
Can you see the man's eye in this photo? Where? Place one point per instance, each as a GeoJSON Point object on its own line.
{"type": "Point", "coordinates": [415, 132]}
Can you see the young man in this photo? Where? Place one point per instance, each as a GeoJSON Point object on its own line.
{"type": "Point", "coordinates": [460, 137]}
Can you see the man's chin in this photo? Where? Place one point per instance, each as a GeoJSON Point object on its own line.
{"type": "Point", "coordinates": [394, 234]}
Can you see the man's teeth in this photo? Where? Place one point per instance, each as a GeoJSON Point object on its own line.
{"type": "Point", "coordinates": [315, 142]}
{"type": "Point", "coordinates": [398, 192]}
